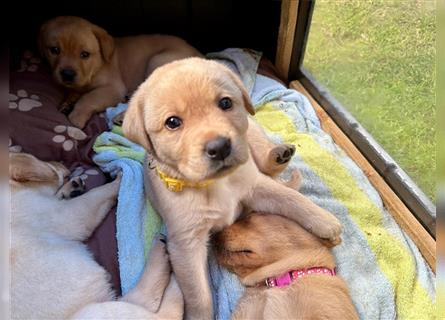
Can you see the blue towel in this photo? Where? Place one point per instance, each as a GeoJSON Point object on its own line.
{"type": "Point", "coordinates": [115, 153]}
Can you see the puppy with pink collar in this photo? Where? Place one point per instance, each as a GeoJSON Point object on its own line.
{"type": "Point", "coordinates": [289, 273]}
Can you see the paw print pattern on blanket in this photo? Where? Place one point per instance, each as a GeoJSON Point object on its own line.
{"type": "Point", "coordinates": [64, 135]}
{"type": "Point", "coordinates": [29, 62]}
{"type": "Point", "coordinates": [23, 102]}
{"type": "Point", "coordinates": [84, 174]}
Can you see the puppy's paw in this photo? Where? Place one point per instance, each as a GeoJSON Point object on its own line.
{"type": "Point", "coordinates": [282, 153]}
{"type": "Point", "coordinates": [335, 242]}
{"type": "Point", "coordinates": [329, 229]}
{"type": "Point", "coordinates": [277, 159]}
{"type": "Point", "coordinates": [73, 188]}
{"type": "Point", "coordinates": [79, 120]}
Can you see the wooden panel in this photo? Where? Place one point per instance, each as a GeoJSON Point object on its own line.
{"type": "Point", "coordinates": [286, 32]}
{"type": "Point", "coordinates": [395, 206]}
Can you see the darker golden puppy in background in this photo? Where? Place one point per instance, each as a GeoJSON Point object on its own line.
{"type": "Point", "coordinates": [101, 70]}
{"type": "Point", "coordinates": [289, 273]}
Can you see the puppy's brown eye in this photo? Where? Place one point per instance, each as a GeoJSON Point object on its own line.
{"type": "Point", "coordinates": [225, 103]}
{"type": "Point", "coordinates": [84, 55]}
{"type": "Point", "coordinates": [54, 50]}
{"type": "Point", "coordinates": [173, 123]}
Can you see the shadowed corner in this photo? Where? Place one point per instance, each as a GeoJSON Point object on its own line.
{"type": "Point", "coordinates": [4, 186]}
{"type": "Point", "coordinates": [440, 208]}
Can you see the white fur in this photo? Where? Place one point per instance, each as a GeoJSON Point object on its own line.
{"type": "Point", "coordinates": [52, 272]}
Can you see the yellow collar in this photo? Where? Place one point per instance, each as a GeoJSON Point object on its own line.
{"type": "Point", "coordinates": [177, 185]}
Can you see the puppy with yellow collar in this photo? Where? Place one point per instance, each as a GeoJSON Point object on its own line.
{"type": "Point", "coordinates": [192, 117]}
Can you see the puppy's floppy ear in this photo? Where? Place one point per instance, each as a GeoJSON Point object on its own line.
{"type": "Point", "coordinates": [27, 168]}
{"type": "Point", "coordinates": [133, 125]}
{"type": "Point", "coordinates": [106, 42]}
{"type": "Point", "coordinates": [246, 99]}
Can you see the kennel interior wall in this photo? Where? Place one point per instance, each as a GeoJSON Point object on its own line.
{"type": "Point", "coordinates": [209, 25]}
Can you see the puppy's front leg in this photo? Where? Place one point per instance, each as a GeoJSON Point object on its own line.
{"type": "Point", "coordinates": [95, 101]}
{"type": "Point", "coordinates": [188, 256]}
{"type": "Point", "coordinates": [272, 197]}
{"type": "Point", "coordinates": [77, 218]}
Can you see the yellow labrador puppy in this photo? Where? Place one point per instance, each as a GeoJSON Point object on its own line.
{"type": "Point", "coordinates": [101, 70]}
{"type": "Point", "coordinates": [52, 272]}
{"type": "Point", "coordinates": [192, 117]}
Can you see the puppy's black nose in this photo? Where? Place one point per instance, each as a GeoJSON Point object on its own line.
{"type": "Point", "coordinates": [67, 75]}
{"type": "Point", "coordinates": [218, 149]}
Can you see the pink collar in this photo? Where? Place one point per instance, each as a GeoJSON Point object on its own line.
{"type": "Point", "coordinates": [292, 275]}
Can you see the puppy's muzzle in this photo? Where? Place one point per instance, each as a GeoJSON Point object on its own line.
{"type": "Point", "coordinates": [68, 75]}
{"type": "Point", "coordinates": [218, 149]}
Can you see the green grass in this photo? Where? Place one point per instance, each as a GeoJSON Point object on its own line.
{"type": "Point", "coordinates": [378, 59]}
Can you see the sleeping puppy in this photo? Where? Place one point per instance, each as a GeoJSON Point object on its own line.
{"type": "Point", "coordinates": [192, 117]}
{"type": "Point", "coordinates": [156, 296]}
{"type": "Point", "coordinates": [100, 70]}
{"type": "Point", "coordinates": [52, 272]}
{"type": "Point", "coordinates": [289, 273]}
